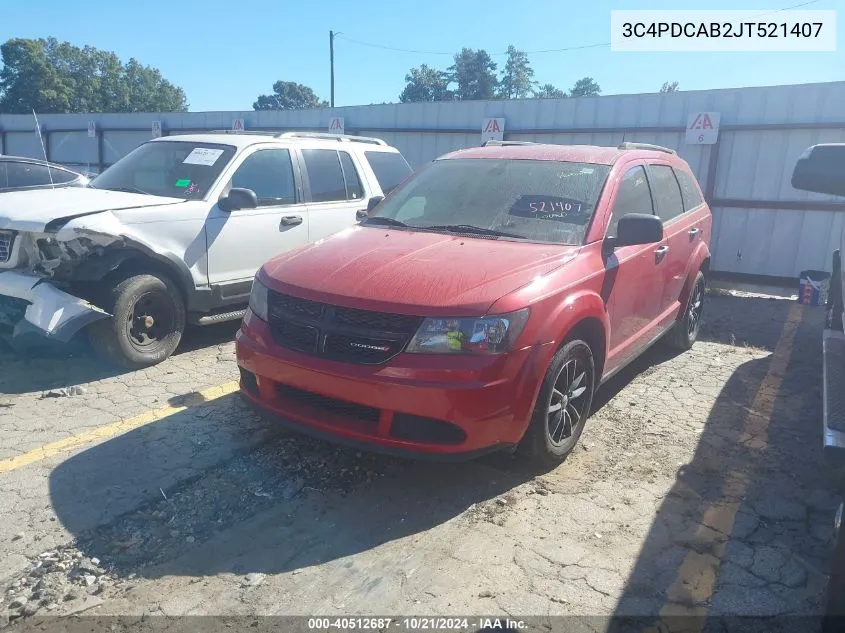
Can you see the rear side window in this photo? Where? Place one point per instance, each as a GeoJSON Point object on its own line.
{"type": "Point", "coordinates": [325, 175]}
{"type": "Point", "coordinates": [689, 189]}
{"type": "Point", "coordinates": [62, 176]}
{"type": "Point", "coordinates": [667, 192]}
{"type": "Point", "coordinates": [354, 191]}
{"type": "Point", "coordinates": [390, 169]}
{"type": "Point", "coordinates": [32, 175]}
{"type": "Point", "coordinates": [634, 197]}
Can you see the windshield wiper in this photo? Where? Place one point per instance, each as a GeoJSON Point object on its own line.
{"type": "Point", "coordinates": [124, 189]}
{"type": "Point", "coordinates": [377, 219]}
{"type": "Point", "coordinates": [469, 228]}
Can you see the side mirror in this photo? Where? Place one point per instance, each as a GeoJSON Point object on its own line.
{"type": "Point", "coordinates": [636, 228]}
{"type": "Point", "coordinates": [238, 198]}
{"type": "Point", "coordinates": [821, 168]}
{"type": "Point", "coordinates": [373, 203]}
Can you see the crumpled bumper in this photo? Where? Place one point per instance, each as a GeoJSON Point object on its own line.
{"type": "Point", "coordinates": [51, 312]}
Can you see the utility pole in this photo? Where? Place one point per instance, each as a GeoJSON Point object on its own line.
{"type": "Point", "coordinates": [331, 63]}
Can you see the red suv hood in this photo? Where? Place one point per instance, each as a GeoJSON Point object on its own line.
{"type": "Point", "coordinates": [412, 272]}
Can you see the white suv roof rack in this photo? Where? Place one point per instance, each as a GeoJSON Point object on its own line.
{"type": "Point", "coordinates": [304, 134]}
{"type": "Point", "coordinates": [337, 137]}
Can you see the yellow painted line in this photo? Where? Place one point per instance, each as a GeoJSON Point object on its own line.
{"type": "Point", "coordinates": [697, 574]}
{"type": "Point", "coordinates": [117, 428]}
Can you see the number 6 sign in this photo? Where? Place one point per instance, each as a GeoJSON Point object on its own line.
{"type": "Point", "coordinates": [703, 128]}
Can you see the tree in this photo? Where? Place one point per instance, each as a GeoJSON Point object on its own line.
{"type": "Point", "coordinates": [148, 91]}
{"type": "Point", "coordinates": [517, 75]}
{"type": "Point", "coordinates": [425, 84]}
{"type": "Point", "coordinates": [475, 74]}
{"type": "Point", "coordinates": [585, 87]}
{"type": "Point", "coordinates": [289, 95]}
{"type": "Point", "coordinates": [669, 87]}
{"type": "Point", "coordinates": [49, 76]}
{"type": "Point", "coordinates": [548, 91]}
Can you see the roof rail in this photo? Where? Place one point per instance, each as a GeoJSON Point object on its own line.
{"type": "Point", "coordinates": [656, 148]}
{"type": "Point", "coordinates": [345, 138]}
{"type": "Point", "coordinates": [494, 141]}
{"type": "Point", "coordinates": [253, 132]}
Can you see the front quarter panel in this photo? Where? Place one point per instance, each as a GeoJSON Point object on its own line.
{"type": "Point", "coordinates": [175, 232]}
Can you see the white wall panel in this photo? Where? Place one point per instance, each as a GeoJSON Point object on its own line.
{"type": "Point", "coordinates": [753, 164]}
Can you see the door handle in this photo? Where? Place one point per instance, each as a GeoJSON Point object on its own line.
{"type": "Point", "coordinates": [291, 220]}
{"type": "Point", "coordinates": [694, 231]}
{"type": "Point", "coordinates": [660, 252]}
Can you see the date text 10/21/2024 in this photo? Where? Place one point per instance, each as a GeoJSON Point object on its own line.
{"type": "Point", "coordinates": [415, 624]}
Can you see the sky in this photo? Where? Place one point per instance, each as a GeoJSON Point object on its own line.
{"type": "Point", "coordinates": [225, 53]}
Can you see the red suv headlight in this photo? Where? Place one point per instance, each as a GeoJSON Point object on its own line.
{"type": "Point", "coordinates": [493, 334]}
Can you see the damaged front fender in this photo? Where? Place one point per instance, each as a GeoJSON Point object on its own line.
{"type": "Point", "coordinates": [51, 312]}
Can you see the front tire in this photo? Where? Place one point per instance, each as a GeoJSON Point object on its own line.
{"type": "Point", "coordinates": [562, 407]}
{"type": "Point", "coordinates": [148, 319]}
{"type": "Point", "coordinates": [685, 332]}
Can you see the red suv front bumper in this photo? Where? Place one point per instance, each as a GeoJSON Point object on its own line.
{"type": "Point", "coordinates": [437, 405]}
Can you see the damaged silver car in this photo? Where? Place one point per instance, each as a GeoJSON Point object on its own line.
{"type": "Point", "coordinates": [174, 232]}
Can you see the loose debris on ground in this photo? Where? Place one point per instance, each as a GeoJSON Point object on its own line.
{"type": "Point", "coordinates": [64, 581]}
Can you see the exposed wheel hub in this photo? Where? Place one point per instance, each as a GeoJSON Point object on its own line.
{"type": "Point", "coordinates": [152, 319]}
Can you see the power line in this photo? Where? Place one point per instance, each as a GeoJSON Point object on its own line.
{"type": "Point", "coordinates": [391, 48]}
{"type": "Point", "coordinates": [548, 50]}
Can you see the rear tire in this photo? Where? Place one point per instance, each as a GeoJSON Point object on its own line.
{"type": "Point", "coordinates": [562, 407]}
{"type": "Point", "coordinates": [148, 319]}
{"type": "Point", "coordinates": [685, 331]}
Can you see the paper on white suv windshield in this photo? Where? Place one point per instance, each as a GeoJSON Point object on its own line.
{"type": "Point", "coordinates": [203, 156]}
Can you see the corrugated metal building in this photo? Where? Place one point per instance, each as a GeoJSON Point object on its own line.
{"type": "Point", "coordinates": [762, 225]}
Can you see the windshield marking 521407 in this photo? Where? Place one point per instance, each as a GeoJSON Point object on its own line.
{"type": "Point", "coordinates": [533, 200]}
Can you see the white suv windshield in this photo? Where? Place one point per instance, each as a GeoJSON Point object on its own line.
{"type": "Point", "coordinates": [177, 169]}
{"type": "Point", "coordinates": [532, 200]}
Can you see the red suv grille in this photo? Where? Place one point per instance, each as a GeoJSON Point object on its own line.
{"type": "Point", "coordinates": [336, 333]}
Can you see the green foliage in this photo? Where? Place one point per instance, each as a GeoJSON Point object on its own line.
{"type": "Point", "coordinates": [473, 76]}
{"type": "Point", "coordinates": [585, 87]}
{"type": "Point", "coordinates": [426, 84]}
{"type": "Point", "coordinates": [474, 72]}
{"type": "Point", "coordinates": [517, 75]}
{"type": "Point", "coordinates": [669, 87]}
{"type": "Point", "coordinates": [548, 91]}
{"type": "Point", "coordinates": [289, 95]}
{"type": "Point", "coordinates": [49, 76]}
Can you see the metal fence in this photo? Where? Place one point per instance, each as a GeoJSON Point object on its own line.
{"type": "Point", "coordinates": [762, 226]}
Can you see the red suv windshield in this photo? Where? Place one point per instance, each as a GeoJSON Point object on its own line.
{"type": "Point", "coordinates": [532, 200]}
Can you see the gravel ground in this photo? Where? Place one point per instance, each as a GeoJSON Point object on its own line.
{"type": "Point", "coordinates": [697, 488]}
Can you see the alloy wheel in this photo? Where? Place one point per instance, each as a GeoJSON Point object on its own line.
{"type": "Point", "coordinates": [568, 403]}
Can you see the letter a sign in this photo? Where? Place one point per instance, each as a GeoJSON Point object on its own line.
{"type": "Point", "coordinates": [237, 125]}
{"type": "Point", "coordinates": [492, 130]}
{"type": "Point", "coordinates": [336, 125]}
{"type": "Point", "coordinates": [703, 128]}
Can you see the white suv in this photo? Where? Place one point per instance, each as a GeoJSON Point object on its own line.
{"type": "Point", "coordinates": [174, 232]}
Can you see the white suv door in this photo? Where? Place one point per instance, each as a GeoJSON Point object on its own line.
{"type": "Point", "coordinates": [240, 241]}
{"type": "Point", "coordinates": [334, 188]}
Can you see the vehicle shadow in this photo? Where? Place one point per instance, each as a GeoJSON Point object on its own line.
{"type": "Point", "coordinates": [250, 497]}
{"type": "Point", "coordinates": [746, 529]}
{"type": "Point", "coordinates": [34, 365]}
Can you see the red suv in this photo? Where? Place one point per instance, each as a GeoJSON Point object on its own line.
{"type": "Point", "coordinates": [481, 304]}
